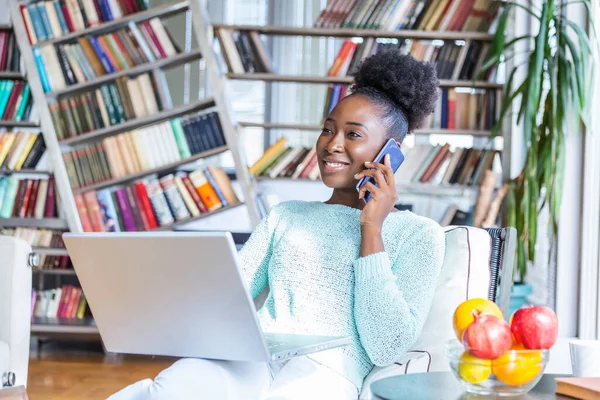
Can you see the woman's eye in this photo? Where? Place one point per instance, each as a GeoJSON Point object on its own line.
{"type": "Point", "coordinates": [354, 134]}
{"type": "Point", "coordinates": [325, 130]}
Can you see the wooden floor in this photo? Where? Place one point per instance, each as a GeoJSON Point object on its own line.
{"type": "Point", "coordinates": [85, 373]}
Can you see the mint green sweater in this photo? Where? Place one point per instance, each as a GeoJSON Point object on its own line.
{"type": "Point", "coordinates": [308, 253]}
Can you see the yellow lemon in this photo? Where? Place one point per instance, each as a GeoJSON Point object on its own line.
{"type": "Point", "coordinates": [473, 369]}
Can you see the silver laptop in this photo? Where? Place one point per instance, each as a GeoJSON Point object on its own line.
{"type": "Point", "coordinates": [177, 294]}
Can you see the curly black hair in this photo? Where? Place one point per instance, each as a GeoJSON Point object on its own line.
{"type": "Point", "coordinates": [405, 90]}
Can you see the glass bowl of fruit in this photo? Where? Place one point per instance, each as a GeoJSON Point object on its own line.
{"type": "Point", "coordinates": [493, 357]}
{"type": "Point", "coordinates": [513, 373]}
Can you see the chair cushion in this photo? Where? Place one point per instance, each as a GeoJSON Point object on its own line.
{"type": "Point", "coordinates": [465, 274]}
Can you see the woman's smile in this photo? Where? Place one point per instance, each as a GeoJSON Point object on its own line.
{"type": "Point", "coordinates": [331, 165]}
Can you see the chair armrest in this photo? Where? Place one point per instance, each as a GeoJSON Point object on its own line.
{"type": "Point", "coordinates": [409, 362]}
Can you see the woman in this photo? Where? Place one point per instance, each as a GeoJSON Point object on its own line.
{"type": "Point", "coordinates": [339, 267]}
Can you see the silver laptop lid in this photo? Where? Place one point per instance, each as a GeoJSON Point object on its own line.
{"type": "Point", "coordinates": [168, 293]}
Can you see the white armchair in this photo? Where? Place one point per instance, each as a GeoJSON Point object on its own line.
{"type": "Point", "coordinates": [15, 310]}
{"type": "Point", "coordinates": [477, 263]}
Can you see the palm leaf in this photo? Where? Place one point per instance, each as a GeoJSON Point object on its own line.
{"type": "Point", "coordinates": [578, 71]}
{"type": "Point", "coordinates": [558, 76]}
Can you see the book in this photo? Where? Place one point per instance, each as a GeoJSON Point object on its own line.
{"type": "Point", "coordinates": [140, 150]}
{"type": "Point", "coordinates": [15, 100]}
{"type": "Point", "coordinates": [585, 388]}
{"type": "Point", "coordinates": [155, 202]}
{"type": "Point", "coordinates": [27, 198]}
{"type": "Point", "coordinates": [64, 302]}
{"type": "Point", "coordinates": [484, 198]}
{"type": "Point", "coordinates": [25, 152]}
{"type": "Point", "coordinates": [10, 56]}
{"type": "Point", "coordinates": [93, 56]}
{"type": "Point", "coordinates": [55, 18]}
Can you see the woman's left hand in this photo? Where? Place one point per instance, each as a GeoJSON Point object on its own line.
{"type": "Point", "coordinates": [383, 196]}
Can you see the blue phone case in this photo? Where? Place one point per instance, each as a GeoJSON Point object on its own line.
{"type": "Point", "coordinates": [396, 159]}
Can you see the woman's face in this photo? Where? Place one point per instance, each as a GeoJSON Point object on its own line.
{"type": "Point", "coordinates": [352, 134]}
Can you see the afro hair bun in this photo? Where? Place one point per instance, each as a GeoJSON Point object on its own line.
{"type": "Point", "coordinates": [409, 84]}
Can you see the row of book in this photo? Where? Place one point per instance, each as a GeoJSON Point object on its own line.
{"type": "Point", "coordinates": [62, 65]}
{"type": "Point", "coordinates": [143, 149]}
{"type": "Point", "coordinates": [442, 15]}
{"type": "Point", "coordinates": [21, 150]}
{"type": "Point", "coordinates": [156, 201]}
{"type": "Point", "coordinates": [454, 60]}
{"type": "Point", "coordinates": [15, 100]}
{"type": "Point", "coordinates": [463, 108]}
{"type": "Point", "coordinates": [27, 198]}
{"type": "Point", "coordinates": [283, 161]}
{"type": "Point", "coordinates": [242, 51]}
{"type": "Point", "coordinates": [456, 108]}
{"type": "Point", "coordinates": [10, 57]}
{"type": "Point", "coordinates": [51, 19]}
{"type": "Point", "coordinates": [67, 302]}
{"type": "Point", "coordinates": [42, 238]}
{"type": "Point", "coordinates": [439, 165]}
{"type": "Point", "coordinates": [110, 105]}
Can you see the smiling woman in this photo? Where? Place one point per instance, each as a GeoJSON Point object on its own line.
{"type": "Point", "coordinates": [339, 268]}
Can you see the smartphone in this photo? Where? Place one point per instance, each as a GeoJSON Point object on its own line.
{"type": "Point", "coordinates": [396, 158]}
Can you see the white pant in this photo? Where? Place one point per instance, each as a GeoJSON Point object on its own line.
{"type": "Point", "coordinates": [297, 379]}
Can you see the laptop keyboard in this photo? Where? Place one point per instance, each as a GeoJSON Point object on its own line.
{"type": "Point", "coordinates": [272, 343]}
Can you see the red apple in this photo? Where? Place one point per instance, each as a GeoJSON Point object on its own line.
{"type": "Point", "coordinates": [488, 337]}
{"type": "Point", "coordinates": [535, 327]}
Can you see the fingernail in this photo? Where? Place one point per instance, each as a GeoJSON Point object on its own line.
{"type": "Point", "coordinates": [356, 175]}
{"type": "Point", "coordinates": [367, 162]}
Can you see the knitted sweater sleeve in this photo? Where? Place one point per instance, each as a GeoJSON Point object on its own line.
{"type": "Point", "coordinates": [392, 299]}
{"type": "Point", "coordinates": [256, 253]}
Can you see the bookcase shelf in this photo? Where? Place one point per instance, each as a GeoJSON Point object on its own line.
{"type": "Point", "coordinates": [11, 75]}
{"type": "Point", "coordinates": [47, 223]}
{"type": "Point", "coordinates": [56, 271]}
{"type": "Point", "coordinates": [457, 132]}
{"type": "Point", "coordinates": [49, 251]}
{"type": "Point", "coordinates": [425, 131]}
{"type": "Point", "coordinates": [197, 218]}
{"type": "Point", "coordinates": [18, 124]}
{"type": "Point", "coordinates": [159, 11]}
{"type": "Point", "coordinates": [138, 122]}
{"type": "Point", "coordinates": [25, 172]}
{"type": "Point", "coordinates": [417, 188]}
{"type": "Point", "coordinates": [275, 125]}
{"type": "Point", "coordinates": [270, 77]}
{"type": "Point", "coordinates": [5, 26]}
{"type": "Point", "coordinates": [174, 61]}
{"type": "Point", "coordinates": [439, 190]}
{"type": "Point", "coordinates": [85, 326]}
{"type": "Point", "coordinates": [164, 168]}
{"type": "Point", "coordinates": [348, 33]}
{"type": "Point", "coordinates": [200, 119]}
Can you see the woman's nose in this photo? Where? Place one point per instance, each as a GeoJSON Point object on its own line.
{"type": "Point", "coordinates": [336, 143]}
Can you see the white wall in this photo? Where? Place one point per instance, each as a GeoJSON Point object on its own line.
{"type": "Point", "coordinates": [569, 237]}
{"type": "Point", "coordinates": [4, 11]}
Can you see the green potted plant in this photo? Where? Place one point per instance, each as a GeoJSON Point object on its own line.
{"type": "Point", "coordinates": [556, 92]}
